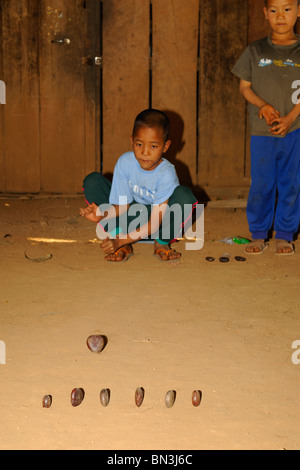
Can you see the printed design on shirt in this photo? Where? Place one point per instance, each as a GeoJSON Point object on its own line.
{"type": "Point", "coordinates": [142, 191]}
{"type": "Point", "coordinates": [278, 63]}
{"type": "Point", "coordinates": [296, 94]}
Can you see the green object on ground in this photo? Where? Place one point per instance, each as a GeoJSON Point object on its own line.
{"type": "Point", "coordinates": [241, 240]}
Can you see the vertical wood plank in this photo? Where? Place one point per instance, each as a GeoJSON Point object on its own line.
{"type": "Point", "coordinates": [63, 73]}
{"type": "Point", "coordinates": [21, 112]}
{"type": "Point", "coordinates": [258, 26]}
{"type": "Point", "coordinates": [2, 133]}
{"type": "Point", "coordinates": [92, 87]}
{"type": "Point", "coordinates": [223, 37]}
{"type": "Point", "coordinates": [174, 66]}
{"type": "Point", "coordinates": [125, 73]}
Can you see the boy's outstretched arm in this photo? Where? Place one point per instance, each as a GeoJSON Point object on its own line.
{"type": "Point", "coordinates": [92, 212]}
{"type": "Point", "coordinates": [266, 110]}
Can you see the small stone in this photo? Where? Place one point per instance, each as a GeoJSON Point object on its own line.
{"type": "Point", "coordinates": [240, 258]}
{"type": "Point", "coordinates": [224, 259]}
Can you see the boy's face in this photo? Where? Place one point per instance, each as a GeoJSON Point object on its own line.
{"type": "Point", "coordinates": [149, 146]}
{"type": "Point", "coordinates": [282, 15]}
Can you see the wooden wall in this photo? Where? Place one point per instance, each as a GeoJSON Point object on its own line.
{"type": "Point", "coordinates": [65, 116]}
{"type": "Point", "coordinates": [47, 126]}
{"type": "Point", "coordinates": [19, 149]}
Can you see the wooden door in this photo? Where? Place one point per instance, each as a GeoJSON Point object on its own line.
{"type": "Point", "coordinates": [68, 76]}
{"type": "Point", "coordinates": [50, 122]}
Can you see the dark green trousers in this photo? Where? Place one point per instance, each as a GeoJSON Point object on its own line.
{"type": "Point", "coordinates": [181, 204]}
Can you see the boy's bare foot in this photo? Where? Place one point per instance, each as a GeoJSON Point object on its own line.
{"type": "Point", "coordinates": [122, 254]}
{"type": "Point", "coordinates": [256, 247]}
{"type": "Point", "coordinates": [165, 252]}
{"type": "Point", "coordinates": [284, 247]}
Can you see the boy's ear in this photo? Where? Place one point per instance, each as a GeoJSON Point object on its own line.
{"type": "Point", "coordinates": [131, 140]}
{"type": "Point", "coordinates": [167, 145]}
{"type": "Point", "coordinates": [266, 13]}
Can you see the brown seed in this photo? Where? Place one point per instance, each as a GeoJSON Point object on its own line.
{"type": "Point", "coordinates": [196, 397]}
{"type": "Point", "coordinates": [47, 401]}
{"type": "Point", "coordinates": [105, 397]}
{"type": "Point", "coordinates": [77, 396]}
{"type": "Point", "coordinates": [96, 343]}
{"type": "Point", "coordinates": [170, 398]}
{"type": "Point", "coordinates": [139, 396]}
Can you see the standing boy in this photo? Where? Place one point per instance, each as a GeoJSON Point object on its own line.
{"type": "Point", "coordinates": [144, 186]}
{"type": "Point", "coordinates": [269, 70]}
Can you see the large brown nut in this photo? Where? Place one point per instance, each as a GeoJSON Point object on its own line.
{"type": "Point", "coordinates": [47, 401]}
{"type": "Point", "coordinates": [105, 397]}
{"type": "Point", "coordinates": [196, 397]}
{"type": "Point", "coordinates": [170, 398]}
{"type": "Point", "coordinates": [96, 343]}
{"type": "Point", "coordinates": [77, 396]}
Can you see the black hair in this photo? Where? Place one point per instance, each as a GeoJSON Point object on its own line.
{"type": "Point", "coordinates": [266, 2]}
{"type": "Point", "coordinates": [152, 118]}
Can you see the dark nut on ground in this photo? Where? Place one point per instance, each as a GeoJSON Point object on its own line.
{"type": "Point", "coordinates": [170, 398]}
{"type": "Point", "coordinates": [47, 401]}
{"type": "Point", "coordinates": [139, 396]}
{"type": "Point", "coordinates": [77, 396]}
{"type": "Point", "coordinates": [105, 397]}
{"type": "Point", "coordinates": [196, 397]}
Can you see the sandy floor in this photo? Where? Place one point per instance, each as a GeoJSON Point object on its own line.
{"type": "Point", "coordinates": [224, 329]}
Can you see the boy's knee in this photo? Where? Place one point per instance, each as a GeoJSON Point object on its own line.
{"type": "Point", "coordinates": [91, 180]}
{"type": "Point", "coordinates": [183, 195]}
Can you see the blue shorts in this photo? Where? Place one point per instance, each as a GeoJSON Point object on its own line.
{"type": "Point", "coordinates": [275, 173]}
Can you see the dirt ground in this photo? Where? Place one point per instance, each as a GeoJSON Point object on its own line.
{"type": "Point", "coordinates": [224, 329]}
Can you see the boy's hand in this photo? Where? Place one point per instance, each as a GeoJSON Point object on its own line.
{"type": "Point", "coordinates": [90, 213]}
{"type": "Point", "coordinates": [281, 126]}
{"type": "Point", "coordinates": [269, 113]}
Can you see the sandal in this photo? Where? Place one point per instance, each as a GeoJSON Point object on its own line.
{"type": "Point", "coordinates": [282, 245]}
{"type": "Point", "coordinates": [126, 249]}
{"type": "Point", "coordinates": [166, 253]}
{"type": "Point", "coordinates": [258, 247]}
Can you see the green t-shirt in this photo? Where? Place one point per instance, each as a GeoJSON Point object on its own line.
{"type": "Point", "coordinates": [274, 72]}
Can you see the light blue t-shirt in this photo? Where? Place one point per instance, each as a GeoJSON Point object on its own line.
{"type": "Point", "coordinates": [132, 183]}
